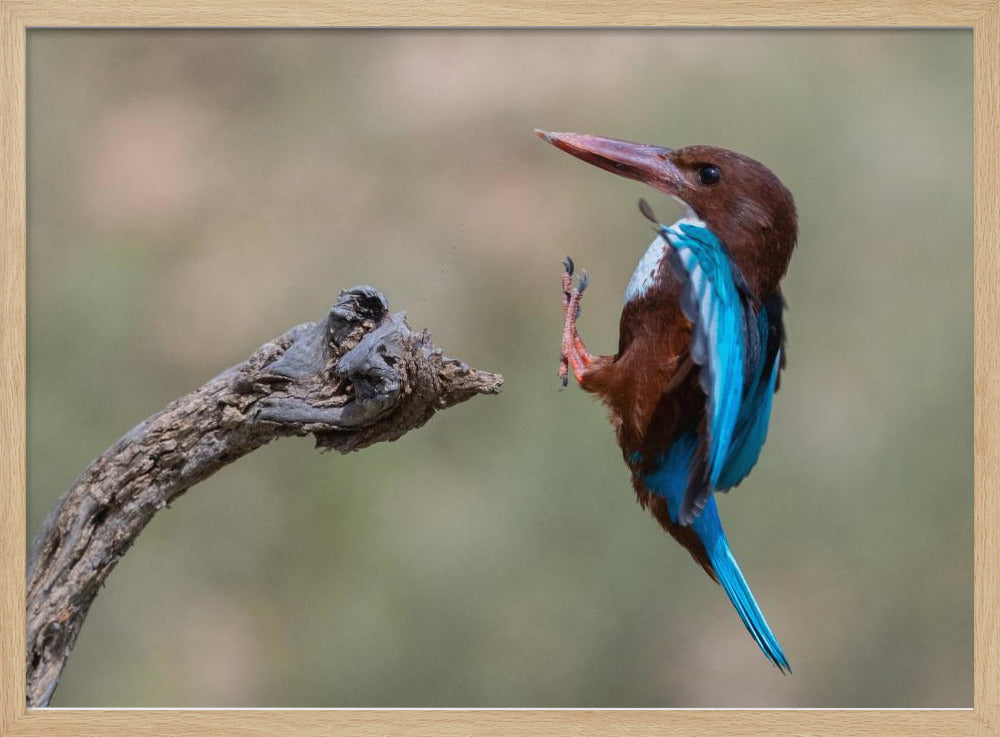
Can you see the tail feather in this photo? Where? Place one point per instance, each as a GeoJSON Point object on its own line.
{"type": "Point", "coordinates": [727, 571]}
{"type": "Point", "coordinates": [705, 539]}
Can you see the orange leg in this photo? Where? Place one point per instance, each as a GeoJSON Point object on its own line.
{"type": "Point", "coordinates": [574, 354]}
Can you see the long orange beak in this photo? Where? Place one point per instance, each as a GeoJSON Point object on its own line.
{"type": "Point", "coordinates": [640, 161]}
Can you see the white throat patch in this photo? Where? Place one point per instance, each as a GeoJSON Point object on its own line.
{"type": "Point", "coordinates": [645, 273]}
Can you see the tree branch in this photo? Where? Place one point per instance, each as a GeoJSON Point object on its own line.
{"type": "Point", "coordinates": [355, 378]}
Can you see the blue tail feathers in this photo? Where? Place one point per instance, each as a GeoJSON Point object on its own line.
{"type": "Point", "coordinates": [709, 528]}
{"type": "Point", "coordinates": [670, 480]}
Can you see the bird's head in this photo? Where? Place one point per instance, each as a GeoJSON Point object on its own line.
{"type": "Point", "coordinates": [739, 199]}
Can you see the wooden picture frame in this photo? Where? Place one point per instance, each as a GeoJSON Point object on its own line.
{"type": "Point", "coordinates": [18, 16]}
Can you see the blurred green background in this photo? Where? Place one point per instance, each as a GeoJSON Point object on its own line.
{"type": "Point", "coordinates": [193, 194]}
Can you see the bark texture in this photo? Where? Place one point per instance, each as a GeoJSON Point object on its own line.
{"type": "Point", "coordinates": [355, 378]}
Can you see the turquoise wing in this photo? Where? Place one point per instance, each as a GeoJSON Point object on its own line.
{"type": "Point", "coordinates": [714, 299]}
{"type": "Point", "coordinates": [755, 412]}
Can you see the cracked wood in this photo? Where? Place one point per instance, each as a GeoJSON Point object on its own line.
{"type": "Point", "coordinates": [357, 377]}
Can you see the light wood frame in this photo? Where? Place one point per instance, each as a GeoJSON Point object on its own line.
{"type": "Point", "coordinates": [17, 16]}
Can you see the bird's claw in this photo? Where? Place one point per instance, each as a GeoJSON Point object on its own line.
{"type": "Point", "coordinates": [563, 374]}
{"type": "Point", "coordinates": [582, 281]}
{"type": "Point", "coordinates": [573, 355]}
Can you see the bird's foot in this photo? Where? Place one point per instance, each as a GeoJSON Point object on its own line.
{"type": "Point", "coordinates": [574, 354]}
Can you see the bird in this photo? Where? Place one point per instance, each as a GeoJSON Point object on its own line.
{"type": "Point", "coordinates": [701, 342]}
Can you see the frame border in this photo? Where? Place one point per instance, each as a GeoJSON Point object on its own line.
{"type": "Point", "coordinates": [982, 16]}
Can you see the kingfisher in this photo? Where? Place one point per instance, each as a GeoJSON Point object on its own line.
{"type": "Point", "coordinates": [701, 342]}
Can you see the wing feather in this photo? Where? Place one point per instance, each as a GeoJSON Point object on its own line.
{"type": "Point", "coordinates": [755, 413]}
{"type": "Point", "coordinates": [738, 342]}
{"type": "Point", "coordinates": [714, 303]}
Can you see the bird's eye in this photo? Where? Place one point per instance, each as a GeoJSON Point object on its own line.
{"type": "Point", "coordinates": [709, 175]}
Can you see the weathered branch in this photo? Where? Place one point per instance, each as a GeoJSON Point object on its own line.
{"type": "Point", "coordinates": [358, 377]}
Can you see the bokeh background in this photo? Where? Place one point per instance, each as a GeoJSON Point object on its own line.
{"type": "Point", "coordinates": [193, 194]}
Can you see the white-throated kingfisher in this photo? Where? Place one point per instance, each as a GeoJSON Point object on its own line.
{"type": "Point", "coordinates": [701, 342]}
